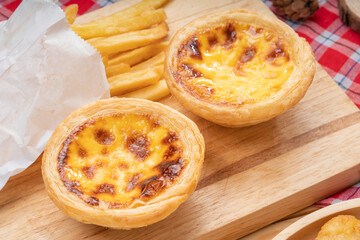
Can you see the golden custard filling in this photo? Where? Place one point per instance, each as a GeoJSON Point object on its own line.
{"type": "Point", "coordinates": [119, 160]}
{"type": "Point", "coordinates": [233, 64]}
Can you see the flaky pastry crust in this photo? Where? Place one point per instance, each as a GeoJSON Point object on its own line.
{"type": "Point", "coordinates": [140, 213]}
{"type": "Point", "coordinates": [245, 114]}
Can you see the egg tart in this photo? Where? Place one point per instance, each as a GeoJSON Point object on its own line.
{"type": "Point", "coordinates": [238, 68]}
{"type": "Point", "coordinates": [122, 163]}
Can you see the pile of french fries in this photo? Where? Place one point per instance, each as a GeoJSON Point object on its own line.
{"type": "Point", "coordinates": [132, 48]}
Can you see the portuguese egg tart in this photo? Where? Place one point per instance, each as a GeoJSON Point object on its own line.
{"type": "Point", "coordinates": [122, 163]}
{"type": "Point", "coordinates": [238, 68]}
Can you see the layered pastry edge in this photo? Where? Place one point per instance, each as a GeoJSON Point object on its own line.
{"type": "Point", "coordinates": [291, 92]}
{"type": "Point", "coordinates": [157, 207]}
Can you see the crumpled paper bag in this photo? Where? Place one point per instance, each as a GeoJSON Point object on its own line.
{"type": "Point", "coordinates": [46, 72]}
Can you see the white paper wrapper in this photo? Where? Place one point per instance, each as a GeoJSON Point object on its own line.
{"type": "Point", "coordinates": [46, 72]}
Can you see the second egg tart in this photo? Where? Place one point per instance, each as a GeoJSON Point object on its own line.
{"type": "Point", "coordinates": [122, 163]}
{"type": "Point", "coordinates": [238, 68]}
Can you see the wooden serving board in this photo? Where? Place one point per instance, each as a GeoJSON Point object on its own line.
{"type": "Point", "coordinates": [251, 176]}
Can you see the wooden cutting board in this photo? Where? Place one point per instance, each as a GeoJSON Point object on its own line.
{"type": "Point", "coordinates": [251, 176]}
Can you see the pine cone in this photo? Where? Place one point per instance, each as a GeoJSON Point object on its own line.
{"type": "Point", "coordinates": [296, 10]}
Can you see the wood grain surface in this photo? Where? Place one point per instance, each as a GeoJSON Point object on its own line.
{"type": "Point", "coordinates": [251, 177]}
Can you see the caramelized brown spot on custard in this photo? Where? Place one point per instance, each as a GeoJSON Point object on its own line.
{"type": "Point", "coordinates": [103, 137]}
{"type": "Point", "coordinates": [138, 145]}
{"type": "Point", "coordinates": [89, 172]}
{"type": "Point", "coordinates": [171, 169]}
{"type": "Point", "coordinates": [105, 188]}
{"type": "Point", "coordinates": [246, 56]}
{"type": "Point", "coordinates": [82, 152]}
{"type": "Point", "coordinates": [185, 48]}
{"type": "Point", "coordinates": [133, 182]}
{"type": "Point", "coordinates": [189, 71]}
{"type": "Point", "coordinates": [72, 186]}
{"type": "Point", "coordinates": [193, 47]}
{"type": "Point", "coordinates": [156, 124]}
{"type": "Point", "coordinates": [151, 186]}
{"type": "Point", "coordinates": [171, 151]}
{"type": "Point", "coordinates": [255, 31]}
{"type": "Point", "coordinates": [171, 137]}
{"type": "Point", "coordinates": [277, 51]}
{"type": "Point", "coordinates": [93, 201]}
{"type": "Point", "coordinates": [230, 33]}
{"type": "Point", "coordinates": [63, 155]}
{"type": "Point", "coordinates": [212, 40]}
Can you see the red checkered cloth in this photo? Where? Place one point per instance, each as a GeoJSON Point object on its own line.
{"type": "Point", "coordinates": [336, 48]}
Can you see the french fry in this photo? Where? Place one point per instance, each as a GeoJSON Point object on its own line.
{"type": "Point", "coordinates": [117, 69]}
{"type": "Point", "coordinates": [145, 20]}
{"type": "Point", "coordinates": [105, 60]}
{"type": "Point", "coordinates": [127, 41]}
{"type": "Point", "coordinates": [138, 55]}
{"type": "Point", "coordinates": [153, 92]}
{"type": "Point", "coordinates": [132, 11]}
{"type": "Point", "coordinates": [71, 12]}
{"type": "Point", "coordinates": [152, 62]}
{"type": "Point", "coordinates": [131, 81]}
